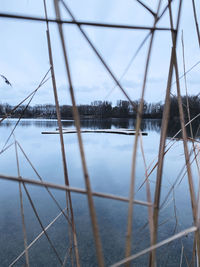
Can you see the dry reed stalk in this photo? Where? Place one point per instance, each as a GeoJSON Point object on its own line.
{"type": "Point", "coordinates": [147, 8]}
{"type": "Point", "coordinates": [193, 140]}
{"type": "Point", "coordinates": [181, 259]}
{"type": "Point", "coordinates": [171, 139]}
{"type": "Point", "coordinates": [35, 211]}
{"type": "Point", "coordinates": [194, 255]}
{"type": "Point", "coordinates": [176, 222]}
{"type": "Point", "coordinates": [12, 132]}
{"type": "Point", "coordinates": [98, 54]}
{"type": "Point", "coordinates": [143, 236]}
{"type": "Point", "coordinates": [37, 237]}
{"type": "Point", "coordinates": [159, 244]}
{"type": "Point", "coordinates": [196, 21]}
{"type": "Point", "coordinates": [68, 194]}
{"type": "Point", "coordinates": [72, 189]}
{"type": "Point", "coordinates": [198, 194]}
{"type": "Point", "coordinates": [175, 211]}
{"type": "Point", "coordinates": [179, 177]}
{"type": "Point", "coordinates": [32, 96]}
{"type": "Point", "coordinates": [148, 192]}
{"type": "Point", "coordinates": [41, 224]}
{"type": "Point", "coordinates": [22, 17]}
{"type": "Point", "coordinates": [129, 64]}
{"type": "Point", "coordinates": [186, 90]}
{"type": "Point", "coordinates": [161, 154]}
{"type": "Point", "coordinates": [190, 69]}
{"type": "Point", "coordinates": [198, 199]}
{"type": "Point", "coordinates": [194, 118]}
{"type": "Point", "coordinates": [133, 168]}
{"type": "Point", "coordinates": [160, 159]}
{"type": "Point", "coordinates": [2, 151]}
{"type": "Point", "coordinates": [83, 23]}
{"type": "Point", "coordinates": [191, 132]}
{"type": "Point", "coordinates": [22, 208]}
{"type": "Point", "coordinates": [83, 160]}
{"type": "Point", "coordinates": [186, 259]}
{"type": "Point", "coordinates": [165, 9]}
{"type": "Point", "coordinates": [189, 118]}
{"type": "Point", "coordinates": [66, 256]}
{"type": "Point", "coordinates": [162, 207]}
{"type": "Point", "coordinates": [189, 171]}
{"type": "Point", "coordinates": [153, 168]}
{"type": "Point", "coordinates": [135, 54]}
{"type": "Point", "coordinates": [40, 178]}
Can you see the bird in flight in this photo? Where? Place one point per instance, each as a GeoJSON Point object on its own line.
{"type": "Point", "coordinates": [6, 80]}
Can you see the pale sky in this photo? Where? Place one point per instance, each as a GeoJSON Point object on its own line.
{"type": "Point", "coordinates": [24, 55]}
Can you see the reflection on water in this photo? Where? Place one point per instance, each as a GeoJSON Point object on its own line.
{"type": "Point", "coordinates": [174, 126]}
{"type": "Point", "coordinates": [146, 125]}
{"type": "Point", "coordinates": [34, 122]}
{"type": "Point", "coordinates": [121, 123]}
{"type": "Point", "coordinates": [109, 164]}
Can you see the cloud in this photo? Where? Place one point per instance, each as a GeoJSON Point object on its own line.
{"type": "Point", "coordinates": [24, 56]}
{"type": "Point", "coordinates": [156, 79]}
{"type": "Point", "coordinates": [131, 83]}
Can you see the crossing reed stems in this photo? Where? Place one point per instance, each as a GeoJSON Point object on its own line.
{"type": "Point", "coordinates": [133, 168]}
{"type": "Point", "coordinates": [148, 193]}
{"type": "Point", "coordinates": [68, 194]}
{"type": "Point", "coordinates": [22, 209]}
{"type": "Point", "coordinates": [83, 160]}
{"type": "Point", "coordinates": [38, 237]}
{"type": "Point", "coordinates": [40, 178]}
{"type": "Point", "coordinates": [187, 159]}
{"type": "Point", "coordinates": [164, 126]}
{"type": "Point", "coordinates": [159, 244]}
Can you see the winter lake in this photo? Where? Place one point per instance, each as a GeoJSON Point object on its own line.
{"type": "Point", "coordinates": [109, 164]}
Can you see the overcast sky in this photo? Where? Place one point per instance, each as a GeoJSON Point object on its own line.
{"type": "Point", "coordinates": [24, 55]}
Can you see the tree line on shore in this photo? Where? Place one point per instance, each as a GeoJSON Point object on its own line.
{"type": "Point", "coordinates": [104, 109]}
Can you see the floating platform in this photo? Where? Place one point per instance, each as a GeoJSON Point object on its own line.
{"type": "Point", "coordinates": [111, 131]}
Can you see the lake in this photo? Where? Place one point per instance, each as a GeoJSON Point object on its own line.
{"type": "Point", "coordinates": [109, 163]}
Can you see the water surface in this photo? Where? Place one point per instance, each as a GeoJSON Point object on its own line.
{"type": "Point", "coordinates": [109, 164]}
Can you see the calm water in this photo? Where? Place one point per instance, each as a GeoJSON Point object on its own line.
{"type": "Point", "coordinates": [109, 164]}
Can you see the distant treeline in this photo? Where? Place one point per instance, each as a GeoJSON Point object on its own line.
{"type": "Point", "coordinates": [104, 109]}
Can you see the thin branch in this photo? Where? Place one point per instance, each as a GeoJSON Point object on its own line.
{"type": "Point", "coordinates": [196, 21]}
{"type": "Point", "coordinates": [148, 193]}
{"type": "Point", "coordinates": [38, 237]}
{"type": "Point", "coordinates": [163, 135]}
{"type": "Point", "coordinates": [138, 124]}
{"type": "Point", "coordinates": [23, 111]}
{"type": "Point", "coordinates": [3, 150]}
{"type": "Point", "coordinates": [62, 146]}
{"type": "Point", "coordinates": [84, 23]}
{"type": "Point", "coordinates": [72, 189]}
{"type": "Point", "coordinates": [80, 142]}
{"type": "Point", "coordinates": [22, 208]}
{"type": "Point", "coordinates": [40, 178]}
{"type": "Point", "coordinates": [146, 7]}
{"type": "Point", "coordinates": [160, 244]}
{"type": "Point", "coordinates": [189, 172]}
{"type": "Point", "coordinates": [41, 224]}
{"type": "Point", "coordinates": [129, 64]}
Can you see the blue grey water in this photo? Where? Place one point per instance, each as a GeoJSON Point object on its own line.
{"type": "Point", "coordinates": [109, 164]}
